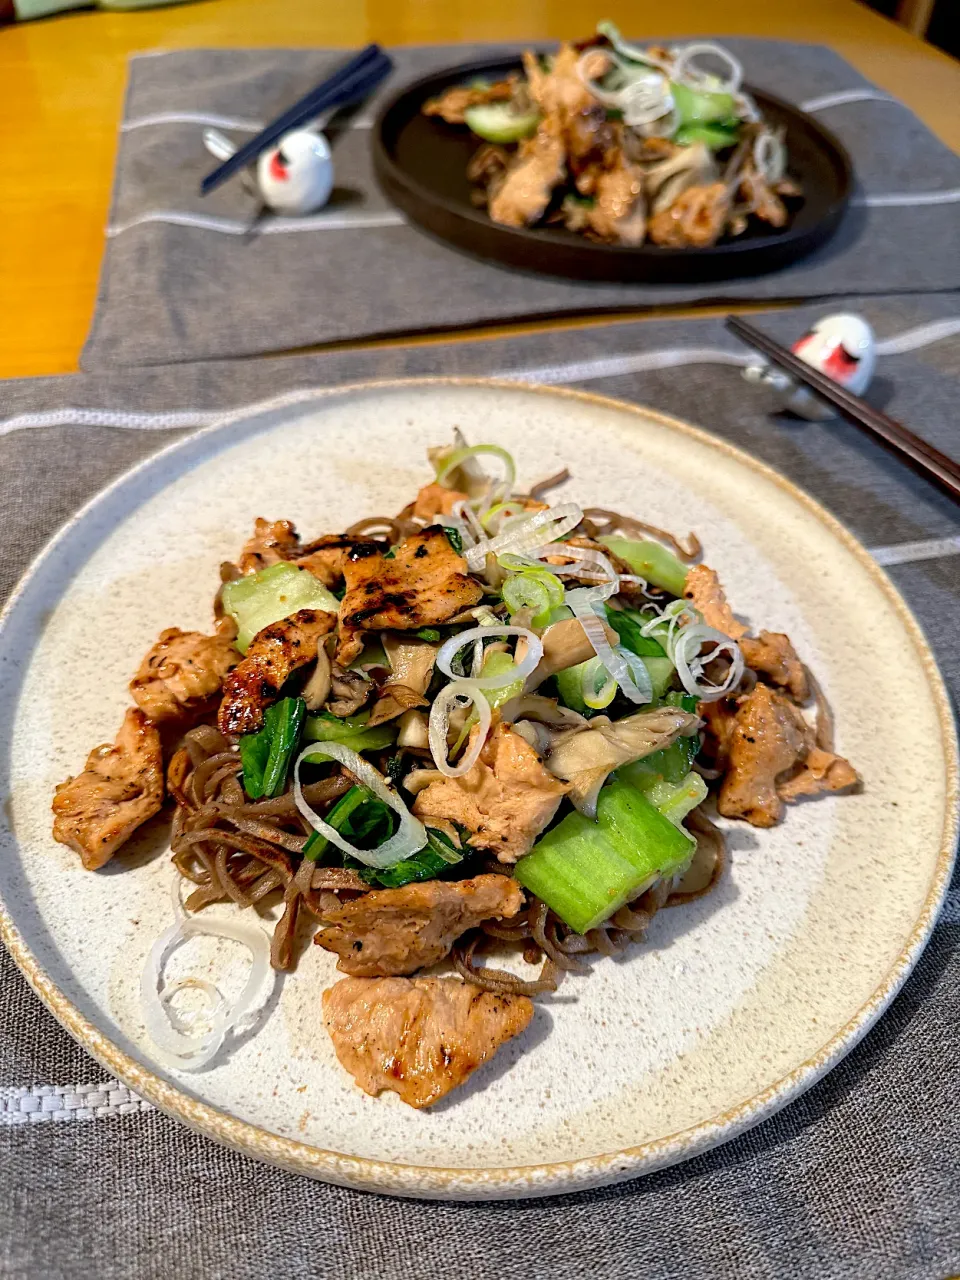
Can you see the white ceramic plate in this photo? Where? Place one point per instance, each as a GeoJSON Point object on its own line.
{"type": "Point", "coordinates": [735, 1003]}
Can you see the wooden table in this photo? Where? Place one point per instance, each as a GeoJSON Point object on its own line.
{"type": "Point", "coordinates": [62, 79]}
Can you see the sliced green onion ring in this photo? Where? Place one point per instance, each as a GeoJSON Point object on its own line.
{"type": "Point", "coordinates": [501, 491]}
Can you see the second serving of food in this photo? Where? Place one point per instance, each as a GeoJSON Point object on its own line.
{"type": "Point", "coordinates": [487, 724]}
{"type": "Point", "coordinates": [625, 144]}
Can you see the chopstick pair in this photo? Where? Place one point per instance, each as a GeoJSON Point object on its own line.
{"type": "Point", "coordinates": [354, 80]}
{"type": "Point", "coordinates": [924, 456]}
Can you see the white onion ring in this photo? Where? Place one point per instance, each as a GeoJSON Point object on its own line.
{"type": "Point", "coordinates": [633, 678]}
{"type": "Point", "coordinates": [408, 839]}
{"type": "Point", "coordinates": [449, 649]}
{"type": "Point", "coordinates": [179, 1048]}
{"type": "Point", "coordinates": [684, 643]}
{"type": "Point", "coordinates": [683, 73]}
{"type": "Point", "coordinates": [542, 526]}
{"type": "Point", "coordinates": [770, 157]}
{"type": "Point", "coordinates": [440, 723]}
{"type": "Point", "coordinates": [469, 523]}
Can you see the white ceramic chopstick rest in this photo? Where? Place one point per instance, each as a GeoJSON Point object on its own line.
{"type": "Point", "coordinates": [842, 346]}
{"type": "Point", "coordinates": [296, 176]}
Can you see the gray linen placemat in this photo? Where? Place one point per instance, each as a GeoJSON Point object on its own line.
{"type": "Point", "coordinates": [179, 281]}
{"type": "Point", "coordinates": [857, 1180]}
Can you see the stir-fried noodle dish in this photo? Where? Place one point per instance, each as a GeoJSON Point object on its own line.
{"type": "Point", "coordinates": [625, 144]}
{"type": "Point", "coordinates": [466, 748]}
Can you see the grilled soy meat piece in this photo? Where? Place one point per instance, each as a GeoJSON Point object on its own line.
{"type": "Point", "coordinates": [183, 671]}
{"type": "Point", "coordinates": [424, 584]}
{"type": "Point", "coordinates": [120, 788]}
{"type": "Point", "coordinates": [272, 541]}
{"type": "Point", "coordinates": [397, 931]}
{"type": "Point", "coordinates": [275, 653]}
{"type": "Point", "coordinates": [418, 1037]}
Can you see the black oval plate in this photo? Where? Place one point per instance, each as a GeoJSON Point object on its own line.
{"type": "Point", "coordinates": [421, 164]}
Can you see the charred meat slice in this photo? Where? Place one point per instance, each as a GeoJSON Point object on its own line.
{"type": "Point", "coordinates": [451, 105]}
{"type": "Point", "coordinates": [424, 584]}
{"type": "Point", "coordinates": [397, 931]}
{"type": "Point", "coordinates": [183, 671]}
{"type": "Point", "coordinates": [702, 588]}
{"type": "Point", "coordinates": [120, 787]}
{"type": "Point", "coordinates": [272, 541]}
{"type": "Point", "coordinates": [528, 184]}
{"type": "Point", "coordinates": [275, 653]}
{"type": "Point", "coordinates": [768, 737]}
{"type": "Point", "coordinates": [772, 656]}
{"type": "Point", "coordinates": [325, 557]}
{"type": "Point", "coordinates": [419, 1037]}
{"type": "Point", "coordinates": [436, 500]}
{"type": "Point", "coordinates": [506, 799]}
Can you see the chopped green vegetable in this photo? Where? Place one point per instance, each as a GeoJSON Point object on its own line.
{"type": "Point", "coordinates": [696, 106]}
{"type": "Point", "coordinates": [672, 763]}
{"type": "Point", "coordinates": [429, 863]}
{"type": "Point", "coordinates": [266, 755]}
{"type": "Point", "coordinates": [499, 663]}
{"type": "Point", "coordinates": [259, 599]}
{"type": "Point", "coordinates": [396, 768]}
{"type": "Point", "coordinates": [500, 122]}
{"type": "Point", "coordinates": [651, 561]}
{"type": "Point", "coordinates": [587, 870]}
{"type": "Point", "coordinates": [587, 687]}
{"type": "Point", "coordinates": [536, 589]}
{"type": "Point", "coordinates": [428, 633]}
{"type": "Point", "coordinates": [361, 817]}
{"type": "Point", "coordinates": [570, 688]}
{"type": "Point", "coordinates": [673, 799]}
{"type": "Point", "coordinates": [454, 538]}
{"type": "Point", "coordinates": [661, 672]}
{"type": "Point", "coordinates": [626, 623]}
{"type": "Point", "coordinates": [715, 136]}
{"type": "Point", "coordinates": [352, 732]}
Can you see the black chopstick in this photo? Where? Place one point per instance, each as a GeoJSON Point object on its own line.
{"type": "Point", "coordinates": [354, 80]}
{"type": "Point", "coordinates": [924, 456]}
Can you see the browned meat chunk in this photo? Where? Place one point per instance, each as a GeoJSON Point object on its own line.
{"type": "Point", "coordinates": [436, 500]}
{"type": "Point", "coordinates": [183, 671]}
{"type": "Point", "coordinates": [275, 653]}
{"type": "Point", "coordinates": [120, 787]}
{"type": "Point", "coordinates": [418, 1037]}
{"type": "Point", "coordinates": [768, 737]}
{"type": "Point", "coordinates": [397, 931]}
{"type": "Point", "coordinates": [451, 105]}
{"type": "Point", "coordinates": [426, 583]}
{"type": "Point", "coordinates": [272, 541]}
{"type": "Point", "coordinates": [772, 656]}
{"type": "Point", "coordinates": [325, 557]}
{"type": "Point", "coordinates": [528, 185]}
{"type": "Point", "coordinates": [821, 771]}
{"type": "Point", "coordinates": [619, 213]}
{"type": "Point", "coordinates": [506, 799]}
{"type": "Point", "coordinates": [702, 588]}
{"type": "Point", "coordinates": [695, 219]}
{"type": "Point", "coordinates": [559, 91]}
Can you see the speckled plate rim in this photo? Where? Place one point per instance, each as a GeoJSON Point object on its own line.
{"type": "Point", "coordinates": [519, 1181]}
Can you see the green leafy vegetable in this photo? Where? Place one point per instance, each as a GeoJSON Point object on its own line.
{"type": "Point", "coordinates": [425, 865]}
{"type": "Point", "coordinates": [454, 538]}
{"type": "Point", "coordinates": [428, 633]}
{"type": "Point", "coordinates": [651, 561]}
{"type": "Point", "coordinates": [361, 817]}
{"type": "Point", "coordinates": [627, 625]}
{"type": "Point", "coordinates": [265, 756]}
{"type": "Point", "coordinates": [352, 731]}
{"type": "Point", "coordinates": [696, 106]}
{"type": "Point", "coordinates": [715, 136]}
{"type": "Point", "coordinates": [587, 870]}
{"type": "Point", "coordinates": [686, 701]}
{"type": "Point", "coordinates": [259, 599]}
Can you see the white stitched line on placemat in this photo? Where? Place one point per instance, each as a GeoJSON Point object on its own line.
{"type": "Point", "coordinates": [910, 552]}
{"type": "Point", "coordinates": [69, 1102]}
{"type": "Point", "coordinates": [274, 226]}
{"type": "Point", "coordinates": [922, 336]}
{"type": "Point", "coordinates": [612, 366]}
{"type": "Point", "coordinates": [844, 96]}
{"type": "Point", "coordinates": [906, 199]}
{"type": "Point", "coordinates": [239, 124]}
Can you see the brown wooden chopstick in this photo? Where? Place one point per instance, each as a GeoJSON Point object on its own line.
{"type": "Point", "coordinates": [920, 453]}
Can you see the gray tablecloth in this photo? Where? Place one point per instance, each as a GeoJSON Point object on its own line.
{"type": "Point", "coordinates": [179, 281]}
{"type": "Point", "coordinates": [858, 1180]}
